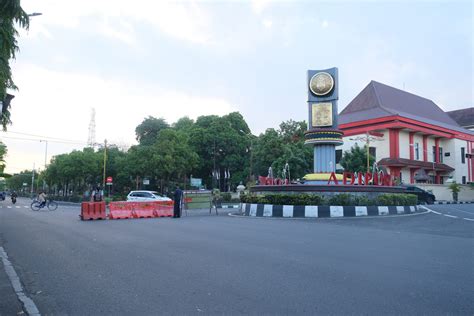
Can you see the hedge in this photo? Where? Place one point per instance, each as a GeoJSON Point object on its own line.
{"type": "Point", "coordinates": [343, 199]}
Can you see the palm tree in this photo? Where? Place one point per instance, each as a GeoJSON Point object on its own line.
{"type": "Point", "coordinates": [11, 13]}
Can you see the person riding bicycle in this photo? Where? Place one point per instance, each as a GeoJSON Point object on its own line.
{"type": "Point", "coordinates": [42, 199]}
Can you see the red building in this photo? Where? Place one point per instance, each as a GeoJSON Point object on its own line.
{"type": "Point", "coordinates": [418, 141]}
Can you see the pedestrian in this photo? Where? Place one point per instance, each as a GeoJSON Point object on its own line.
{"type": "Point", "coordinates": [178, 196]}
{"type": "Point", "coordinates": [96, 195]}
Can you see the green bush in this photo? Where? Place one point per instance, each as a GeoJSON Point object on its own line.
{"type": "Point", "coordinates": [343, 199]}
{"type": "Point", "coordinates": [226, 197]}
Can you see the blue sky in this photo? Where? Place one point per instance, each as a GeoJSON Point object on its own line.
{"type": "Point", "coordinates": [171, 59]}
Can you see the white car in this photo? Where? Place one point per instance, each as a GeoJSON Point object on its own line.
{"type": "Point", "coordinates": [138, 196]}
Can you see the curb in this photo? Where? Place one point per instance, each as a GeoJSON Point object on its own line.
{"type": "Point", "coordinates": [323, 211]}
{"type": "Point", "coordinates": [453, 202]}
{"type": "Point", "coordinates": [228, 206]}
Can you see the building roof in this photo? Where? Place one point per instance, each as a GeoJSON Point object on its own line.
{"type": "Point", "coordinates": [378, 100]}
{"type": "Point", "coordinates": [464, 117]}
{"type": "Point", "coordinates": [403, 162]}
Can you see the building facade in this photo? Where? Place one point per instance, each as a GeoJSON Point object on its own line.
{"type": "Point", "coordinates": [414, 139]}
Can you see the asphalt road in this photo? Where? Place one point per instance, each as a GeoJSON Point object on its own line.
{"type": "Point", "coordinates": [203, 264]}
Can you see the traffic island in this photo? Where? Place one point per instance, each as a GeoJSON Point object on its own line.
{"type": "Point", "coordinates": [323, 211]}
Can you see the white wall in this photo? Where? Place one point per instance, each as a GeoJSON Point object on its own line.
{"type": "Point", "coordinates": [418, 139]}
{"type": "Point", "coordinates": [461, 169]}
{"type": "Point", "coordinates": [382, 148]}
{"type": "Point", "coordinates": [443, 193]}
{"type": "Point", "coordinates": [405, 175]}
{"type": "Point", "coordinates": [404, 144]}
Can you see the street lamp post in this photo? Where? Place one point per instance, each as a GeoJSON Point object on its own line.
{"type": "Point", "coordinates": [250, 149]}
{"type": "Point", "coordinates": [45, 159]}
{"type": "Point", "coordinates": [367, 138]}
{"type": "Point", "coordinates": [105, 163]}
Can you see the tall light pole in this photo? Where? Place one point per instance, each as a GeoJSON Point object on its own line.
{"type": "Point", "coordinates": [105, 163]}
{"type": "Point", "coordinates": [45, 159]}
{"type": "Point", "coordinates": [368, 138]}
{"type": "Point", "coordinates": [250, 149]}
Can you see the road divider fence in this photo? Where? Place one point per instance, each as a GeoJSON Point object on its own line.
{"type": "Point", "coordinates": [123, 210]}
{"type": "Point", "coordinates": [93, 211]}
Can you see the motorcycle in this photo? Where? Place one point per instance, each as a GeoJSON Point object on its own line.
{"type": "Point", "coordinates": [13, 199]}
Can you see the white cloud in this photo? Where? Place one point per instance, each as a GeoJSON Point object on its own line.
{"type": "Point", "coordinates": [122, 31]}
{"type": "Point", "coordinates": [186, 21]}
{"type": "Point", "coordinates": [52, 103]}
{"type": "Point", "coordinates": [267, 23]}
{"type": "Point", "coordinates": [258, 6]}
{"type": "Point", "coordinates": [325, 24]}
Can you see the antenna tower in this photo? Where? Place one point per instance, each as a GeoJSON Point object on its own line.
{"type": "Point", "coordinates": [91, 137]}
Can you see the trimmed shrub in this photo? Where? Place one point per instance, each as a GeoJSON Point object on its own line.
{"type": "Point", "coordinates": [343, 199]}
{"type": "Point", "coordinates": [226, 197]}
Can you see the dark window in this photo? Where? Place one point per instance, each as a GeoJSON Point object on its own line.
{"type": "Point", "coordinates": [440, 155]}
{"type": "Point", "coordinates": [434, 153]}
{"type": "Point", "coordinates": [463, 179]}
{"type": "Point", "coordinates": [417, 151]}
{"type": "Point", "coordinates": [373, 151]}
{"type": "Point", "coordinates": [338, 155]}
{"type": "Point", "coordinates": [463, 155]}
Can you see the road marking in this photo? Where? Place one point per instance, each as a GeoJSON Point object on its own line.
{"type": "Point", "coordinates": [470, 213]}
{"type": "Point", "coordinates": [17, 206]}
{"type": "Point", "coordinates": [25, 206]}
{"type": "Point", "coordinates": [9, 206]}
{"type": "Point", "coordinates": [468, 219]}
{"type": "Point", "coordinates": [452, 216]}
{"type": "Point", "coordinates": [28, 303]}
{"type": "Point", "coordinates": [435, 212]}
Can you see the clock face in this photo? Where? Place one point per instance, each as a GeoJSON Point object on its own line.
{"type": "Point", "coordinates": [321, 83]}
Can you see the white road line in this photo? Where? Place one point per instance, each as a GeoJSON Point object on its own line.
{"type": "Point", "coordinates": [435, 212]}
{"type": "Point", "coordinates": [470, 213]}
{"type": "Point", "coordinates": [468, 219]}
{"type": "Point", "coordinates": [9, 206]}
{"type": "Point", "coordinates": [17, 206]}
{"type": "Point", "coordinates": [452, 216]}
{"type": "Point", "coordinates": [25, 206]}
{"type": "Point", "coordinates": [28, 303]}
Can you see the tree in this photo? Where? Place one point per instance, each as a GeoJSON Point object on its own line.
{"type": "Point", "coordinates": [16, 181]}
{"type": "Point", "coordinates": [10, 13]}
{"type": "Point", "coordinates": [148, 130]}
{"type": "Point", "coordinates": [183, 124]}
{"type": "Point", "coordinates": [3, 153]}
{"type": "Point", "coordinates": [223, 143]}
{"type": "Point", "coordinates": [292, 131]}
{"type": "Point", "coordinates": [455, 189]}
{"type": "Point", "coordinates": [355, 160]}
{"type": "Point", "coordinates": [173, 158]}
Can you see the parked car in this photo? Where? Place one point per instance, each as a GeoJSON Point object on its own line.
{"type": "Point", "coordinates": [146, 196]}
{"type": "Point", "coordinates": [3, 195]}
{"type": "Point", "coordinates": [424, 197]}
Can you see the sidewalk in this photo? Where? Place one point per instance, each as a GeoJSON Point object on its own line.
{"type": "Point", "coordinates": [9, 303]}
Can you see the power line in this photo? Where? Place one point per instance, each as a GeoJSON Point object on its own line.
{"type": "Point", "coordinates": [52, 141]}
{"type": "Point", "coordinates": [47, 137]}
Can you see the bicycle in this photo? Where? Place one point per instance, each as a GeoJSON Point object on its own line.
{"type": "Point", "coordinates": [50, 204]}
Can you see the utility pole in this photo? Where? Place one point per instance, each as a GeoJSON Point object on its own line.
{"type": "Point", "coordinates": [45, 160]}
{"type": "Point", "coordinates": [105, 163]}
{"type": "Point", "coordinates": [32, 179]}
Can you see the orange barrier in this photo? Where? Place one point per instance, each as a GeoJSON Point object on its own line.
{"type": "Point", "coordinates": [164, 208]}
{"type": "Point", "coordinates": [143, 209]}
{"type": "Point", "coordinates": [120, 210]}
{"type": "Point", "coordinates": [93, 210]}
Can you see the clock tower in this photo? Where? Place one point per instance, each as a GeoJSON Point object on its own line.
{"type": "Point", "coordinates": [323, 133]}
